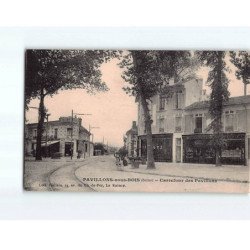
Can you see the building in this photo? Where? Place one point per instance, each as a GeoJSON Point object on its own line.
{"type": "Point", "coordinates": [197, 137]}
{"type": "Point", "coordinates": [131, 140]}
{"type": "Point", "coordinates": [167, 113]}
{"type": "Point", "coordinates": [58, 136]}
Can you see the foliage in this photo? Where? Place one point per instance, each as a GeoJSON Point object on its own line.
{"type": "Point", "coordinates": [148, 72]}
{"type": "Point", "coordinates": [123, 152]}
{"type": "Point", "coordinates": [100, 146]}
{"type": "Point", "coordinates": [153, 70]}
{"type": "Point", "coordinates": [218, 83]}
{"type": "Point", "coordinates": [241, 60]}
{"type": "Point", "coordinates": [53, 70]}
{"type": "Point", "coordinates": [48, 71]}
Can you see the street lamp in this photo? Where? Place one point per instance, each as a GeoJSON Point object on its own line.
{"type": "Point", "coordinates": [71, 146]}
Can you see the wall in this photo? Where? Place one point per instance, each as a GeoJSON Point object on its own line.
{"type": "Point", "coordinates": [193, 91]}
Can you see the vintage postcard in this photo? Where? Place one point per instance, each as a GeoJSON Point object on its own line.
{"type": "Point", "coordinates": [137, 121]}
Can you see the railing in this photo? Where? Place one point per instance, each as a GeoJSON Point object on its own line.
{"type": "Point", "coordinates": [229, 129]}
{"type": "Point", "coordinates": [177, 129]}
{"type": "Point", "coordinates": [198, 130]}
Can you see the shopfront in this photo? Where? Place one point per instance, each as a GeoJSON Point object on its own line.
{"type": "Point", "coordinates": [162, 147]}
{"type": "Point", "coordinates": [198, 148]}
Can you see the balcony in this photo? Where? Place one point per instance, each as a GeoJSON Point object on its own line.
{"type": "Point", "coordinates": [229, 129]}
{"type": "Point", "coordinates": [178, 129]}
{"type": "Point", "coordinates": [161, 130]}
{"type": "Point", "coordinates": [198, 130]}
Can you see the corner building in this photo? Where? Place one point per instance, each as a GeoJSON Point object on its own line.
{"type": "Point", "coordinates": [58, 136]}
{"type": "Point", "coordinates": [168, 114]}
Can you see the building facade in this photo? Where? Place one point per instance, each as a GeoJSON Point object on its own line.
{"type": "Point", "coordinates": [180, 124]}
{"type": "Point", "coordinates": [60, 136]}
{"type": "Point", "coordinates": [197, 138]}
{"type": "Point", "coordinates": [131, 140]}
{"type": "Point", "coordinates": [167, 113]}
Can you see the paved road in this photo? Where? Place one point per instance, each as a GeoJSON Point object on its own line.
{"type": "Point", "coordinates": [101, 174]}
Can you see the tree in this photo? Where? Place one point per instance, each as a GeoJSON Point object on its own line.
{"type": "Point", "coordinates": [218, 83]}
{"type": "Point", "coordinates": [241, 60]}
{"type": "Point", "coordinates": [48, 71]}
{"type": "Point", "coordinates": [147, 73]}
{"type": "Point", "coordinates": [99, 147]}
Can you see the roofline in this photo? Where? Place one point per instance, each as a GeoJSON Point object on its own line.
{"type": "Point", "coordinates": [224, 104]}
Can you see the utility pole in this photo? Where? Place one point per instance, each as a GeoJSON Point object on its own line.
{"type": "Point", "coordinates": [46, 138]}
{"type": "Point", "coordinates": [71, 144]}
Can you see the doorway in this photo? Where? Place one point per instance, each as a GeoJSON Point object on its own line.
{"type": "Point", "coordinates": [178, 149]}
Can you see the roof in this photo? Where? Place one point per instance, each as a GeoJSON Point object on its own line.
{"type": "Point", "coordinates": [50, 123]}
{"type": "Point", "coordinates": [84, 130]}
{"type": "Point", "coordinates": [132, 131]}
{"type": "Point", "coordinates": [237, 100]}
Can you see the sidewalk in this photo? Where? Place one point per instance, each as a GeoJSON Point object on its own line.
{"type": "Point", "coordinates": [62, 159]}
{"type": "Point", "coordinates": [230, 173]}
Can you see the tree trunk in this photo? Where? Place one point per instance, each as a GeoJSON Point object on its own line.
{"type": "Point", "coordinates": [217, 157]}
{"type": "Point", "coordinates": [143, 100]}
{"type": "Point", "coordinates": [245, 89]}
{"type": "Point", "coordinates": [40, 127]}
{"type": "Point", "coordinates": [218, 132]}
{"type": "Point", "coordinates": [147, 117]}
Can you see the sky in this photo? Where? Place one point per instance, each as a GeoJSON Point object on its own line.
{"type": "Point", "coordinates": [112, 111]}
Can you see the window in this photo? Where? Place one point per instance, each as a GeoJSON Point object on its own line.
{"type": "Point", "coordinates": [55, 133]}
{"type": "Point", "coordinates": [162, 102]}
{"type": "Point", "coordinates": [69, 130]}
{"type": "Point", "coordinates": [198, 123]}
{"type": "Point", "coordinates": [178, 124]}
{"type": "Point", "coordinates": [229, 121]}
{"type": "Point", "coordinates": [34, 134]}
{"type": "Point", "coordinates": [178, 100]}
{"type": "Point", "coordinates": [161, 125]}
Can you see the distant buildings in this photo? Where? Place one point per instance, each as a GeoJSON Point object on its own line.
{"type": "Point", "coordinates": [180, 122]}
{"type": "Point", "coordinates": [131, 140]}
{"type": "Point", "coordinates": [58, 136]}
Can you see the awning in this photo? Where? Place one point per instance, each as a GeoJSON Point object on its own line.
{"type": "Point", "coordinates": [49, 143]}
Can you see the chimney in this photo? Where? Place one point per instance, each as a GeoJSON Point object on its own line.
{"type": "Point", "coordinates": [134, 124]}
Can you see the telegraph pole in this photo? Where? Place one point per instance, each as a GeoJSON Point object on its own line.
{"type": "Point", "coordinates": [47, 118]}
{"type": "Point", "coordinates": [71, 144]}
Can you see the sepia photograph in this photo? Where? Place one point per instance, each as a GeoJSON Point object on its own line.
{"type": "Point", "coordinates": [137, 121]}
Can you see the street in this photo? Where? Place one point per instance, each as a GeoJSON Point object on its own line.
{"type": "Point", "coordinates": [100, 174]}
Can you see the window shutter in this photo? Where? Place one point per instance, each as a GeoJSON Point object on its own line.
{"type": "Point", "coordinates": [223, 122]}
{"type": "Point", "coordinates": [241, 115]}
{"type": "Point", "coordinates": [188, 124]}
{"type": "Point", "coordinates": [204, 123]}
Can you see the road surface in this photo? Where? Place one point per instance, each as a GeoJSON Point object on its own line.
{"type": "Point", "coordinates": [102, 175]}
